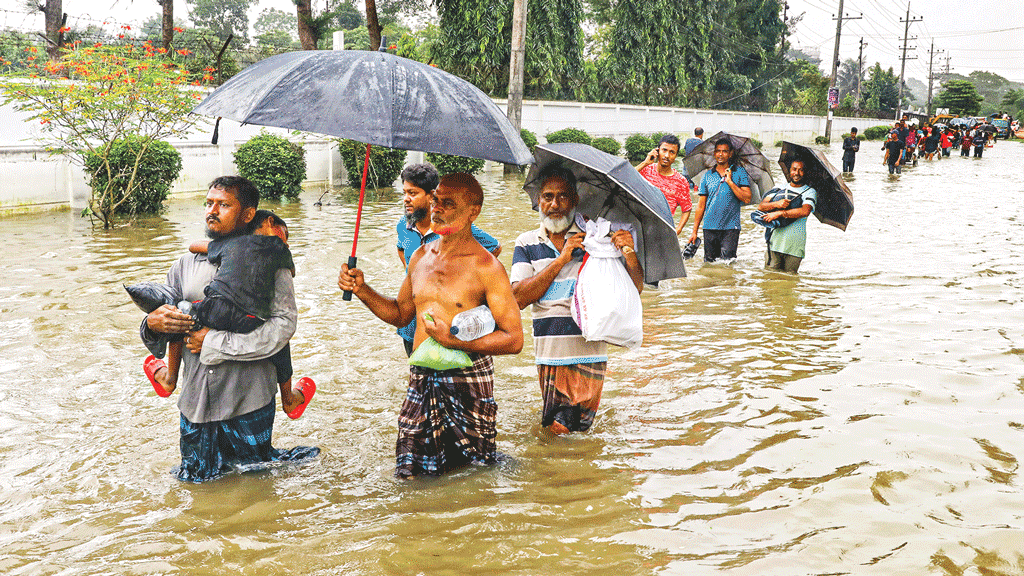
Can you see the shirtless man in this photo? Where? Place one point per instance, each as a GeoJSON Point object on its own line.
{"type": "Point", "coordinates": [448, 417]}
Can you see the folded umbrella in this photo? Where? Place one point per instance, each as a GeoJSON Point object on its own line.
{"type": "Point", "coordinates": [609, 187]}
{"type": "Point", "coordinates": [835, 201]}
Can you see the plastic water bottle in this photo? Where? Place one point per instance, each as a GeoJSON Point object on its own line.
{"type": "Point", "coordinates": [473, 323]}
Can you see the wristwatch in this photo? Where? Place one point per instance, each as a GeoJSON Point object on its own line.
{"type": "Point", "coordinates": [627, 250]}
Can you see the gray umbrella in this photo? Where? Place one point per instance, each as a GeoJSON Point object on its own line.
{"type": "Point", "coordinates": [371, 97]}
{"type": "Point", "coordinates": [702, 158]}
{"type": "Point", "coordinates": [609, 187]}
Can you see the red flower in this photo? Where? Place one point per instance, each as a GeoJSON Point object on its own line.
{"type": "Point", "coordinates": [177, 29]}
{"type": "Point", "coordinates": [184, 51]}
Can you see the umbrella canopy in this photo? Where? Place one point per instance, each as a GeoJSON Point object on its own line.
{"type": "Point", "coordinates": [702, 158]}
{"type": "Point", "coordinates": [968, 122]}
{"type": "Point", "coordinates": [371, 97]}
{"type": "Point", "coordinates": [988, 128]}
{"type": "Point", "coordinates": [609, 187]}
{"type": "Point", "coordinates": [835, 201]}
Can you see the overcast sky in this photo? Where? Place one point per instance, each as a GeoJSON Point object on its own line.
{"type": "Point", "coordinates": [975, 35]}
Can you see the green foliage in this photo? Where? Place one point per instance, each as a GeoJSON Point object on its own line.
{"type": "Point", "coordinates": [139, 173]}
{"type": "Point", "coordinates": [529, 138]}
{"type": "Point", "coordinates": [881, 90]}
{"type": "Point", "coordinates": [760, 145]}
{"type": "Point", "coordinates": [223, 17]}
{"type": "Point", "coordinates": [447, 164]}
{"type": "Point", "coordinates": [385, 163]}
{"type": "Point", "coordinates": [820, 140]}
{"type": "Point", "coordinates": [860, 137]}
{"type": "Point", "coordinates": [961, 97]}
{"type": "Point", "coordinates": [609, 145]}
{"type": "Point", "coordinates": [638, 146]}
{"type": "Point", "coordinates": [475, 43]}
{"type": "Point", "coordinates": [276, 166]}
{"type": "Point", "coordinates": [96, 95]}
{"type": "Point", "coordinates": [876, 132]}
{"type": "Point", "coordinates": [778, 143]}
{"type": "Point", "coordinates": [569, 135]}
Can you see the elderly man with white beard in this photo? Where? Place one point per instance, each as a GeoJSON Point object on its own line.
{"type": "Point", "coordinates": [545, 267]}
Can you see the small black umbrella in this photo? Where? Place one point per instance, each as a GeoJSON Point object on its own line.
{"type": "Point", "coordinates": [611, 188]}
{"type": "Point", "coordinates": [371, 97]}
{"type": "Point", "coordinates": [987, 128]}
{"type": "Point", "coordinates": [745, 153]}
{"type": "Point", "coordinates": [835, 201]}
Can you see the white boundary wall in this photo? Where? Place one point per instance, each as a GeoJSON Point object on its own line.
{"type": "Point", "coordinates": [32, 180]}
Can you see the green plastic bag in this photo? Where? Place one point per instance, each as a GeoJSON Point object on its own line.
{"type": "Point", "coordinates": [430, 354]}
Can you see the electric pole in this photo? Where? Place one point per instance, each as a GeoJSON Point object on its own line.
{"type": "Point", "coordinates": [903, 60]}
{"type": "Point", "coordinates": [931, 57]}
{"type": "Point", "coordinates": [860, 72]}
{"type": "Point", "coordinates": [835, 66]}
{"type": "Point", "coordinates": [515, 71]}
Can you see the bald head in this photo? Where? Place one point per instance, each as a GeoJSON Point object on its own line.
{"type": "Point", "coordinates": [466, 184]}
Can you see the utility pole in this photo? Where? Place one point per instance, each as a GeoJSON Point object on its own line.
{"type": "Point", "coordinates": [931, 57]}
{"type": "Point", "coordinates": [835, 65]}
{"type": "Point", "coordinates": [515, 71]}
{"type": "Point", "coordinates": [903, 60]}
{"type": "Point", "coordinates": [860, 72]}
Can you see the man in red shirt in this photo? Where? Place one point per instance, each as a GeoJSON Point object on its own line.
{"type": "Point", "coordinates": [657, 169]}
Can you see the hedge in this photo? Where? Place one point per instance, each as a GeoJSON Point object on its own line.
{"type": "Point", "coordinates": [447, 164]}
{"type": "Point", "coordinates": [569, 135]}
{"type": "Point", "coordinates": [276, 166]}
{"type": "Point", "coordinates": [385, 163]}
{"type": "Point", "coordinates": [609, 145]}
{"type": "Point", "coordinates": [158, 168]}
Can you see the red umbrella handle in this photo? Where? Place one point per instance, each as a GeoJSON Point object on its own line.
{"type": "Point", "coordinates": [347, 295]}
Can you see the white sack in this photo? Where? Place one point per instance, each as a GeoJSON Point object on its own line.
{"type": "Point", "coordinates": [605, 303]}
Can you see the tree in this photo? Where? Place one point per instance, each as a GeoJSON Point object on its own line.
{"type": "Point", "coordinates": [847, 77]}
{"type": "Point", "coordinates": [54, 17]}
{"type": "Point", "coordinates": [475, 36]}
{"type": "Point", "coordinates": [224, 17]}
{"type": "Point", "coordinates": [166, 22]}
{"type": "Point", "coordinates": [98, 96]}
{"type": "Point", "coordinates": [961, 97]}
{"type": "Point", "coordinates": [881, 90]}
{"type": "Point", "coordinates": [274, 20]}
{"type": "Point", "coordinates": [1013, 100]}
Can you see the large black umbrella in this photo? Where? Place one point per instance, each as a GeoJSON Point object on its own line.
{"type": "Point", "coordinates": [609, 187]}
{"type": "Point", "coordinates": [835, 201]}
{"type": "Point", "coordinates": [745, 153]}
{"type": "Point", "coordinates": [371, 97]}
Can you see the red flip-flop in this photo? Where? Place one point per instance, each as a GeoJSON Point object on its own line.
{"type": "Point", "coordinates": [150, 365]}
{"type": "Point", "coordinates": [307, 387]}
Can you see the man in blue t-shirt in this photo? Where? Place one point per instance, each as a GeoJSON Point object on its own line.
{"type": "Point", "coordinates": [723, 190]}
{"type": "Point", "coordinates": [418, 182]}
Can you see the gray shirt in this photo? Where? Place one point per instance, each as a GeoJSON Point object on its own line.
{"type": "Point", "coordinates": [231, 376]}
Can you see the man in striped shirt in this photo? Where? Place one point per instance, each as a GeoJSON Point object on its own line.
{"type": "Point", "coordinates": [545, 266]}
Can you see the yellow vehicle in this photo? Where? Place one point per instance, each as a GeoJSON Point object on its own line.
{"type": "Point", "coordinates": [941, 119]}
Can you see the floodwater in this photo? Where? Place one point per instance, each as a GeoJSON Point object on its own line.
{"type": "Point", "coordinates": [864, 417]}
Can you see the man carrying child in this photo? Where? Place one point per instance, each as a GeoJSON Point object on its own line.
{"type": "Point", "coordinates": [228, 383]}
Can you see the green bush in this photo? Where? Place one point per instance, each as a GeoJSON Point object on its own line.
{"type": "Point", "coordinates": [529, 138]}
{"type": "Point", "coordinates": [778, 143]}
{"type": "Point", "coordinates": [877, 132]}
{"type": "Point", "coordinates": [609, 145]}
{"type": "Point", "coordinates": [820, 140]}
{"type": "Point", "coordinates": [757, 143]}
{"type": "Point", "coordinates": [859, 136]}
{"type": "Point", "coordinates": [276, 166]}
{"type": "Point", "coordinates": [158, 167]}
{"type": "Point", "coordinates": [569, 135]}
{"type": "Point", "coordinates": [637, 147]}
{"type": "Point", "coordinates": [385, 163]}
{"type": "Point", "coordinates": [447, 164]}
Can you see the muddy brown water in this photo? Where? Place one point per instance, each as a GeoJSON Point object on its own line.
{"type": "Point", "coordinates": [864, 417]}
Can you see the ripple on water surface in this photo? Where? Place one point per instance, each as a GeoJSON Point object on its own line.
{"type": "Point", "coordinates": [862, 417]}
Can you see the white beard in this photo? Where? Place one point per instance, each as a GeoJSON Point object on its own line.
{"type": "Point", "coordinates": [558, 225]}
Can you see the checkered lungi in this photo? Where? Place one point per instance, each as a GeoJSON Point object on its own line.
{"type": "Point", "coordinates": [571, 394]}
{"type": "Point", "coordinates": [211, 449]}
{"type": "Point", "coordinates": [448, 419]}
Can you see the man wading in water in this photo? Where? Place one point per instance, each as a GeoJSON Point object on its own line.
{"type": "Point", "coordinates": [448, 417]}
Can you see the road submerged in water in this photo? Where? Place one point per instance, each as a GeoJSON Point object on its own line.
{"type": "Point", "coordinates": [860, 418]}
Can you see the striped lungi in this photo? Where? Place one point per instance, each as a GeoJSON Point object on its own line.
{"type": "Point", "coordinates": [571, 395]}
{"type": "Point", "coordinates": [448, 419]}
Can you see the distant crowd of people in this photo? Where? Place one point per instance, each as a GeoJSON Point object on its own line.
{"type": "Point", "coordinates": [907, 143]}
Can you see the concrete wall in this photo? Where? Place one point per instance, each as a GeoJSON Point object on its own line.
{"type": "Point", "coordinates": [31, 179]}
